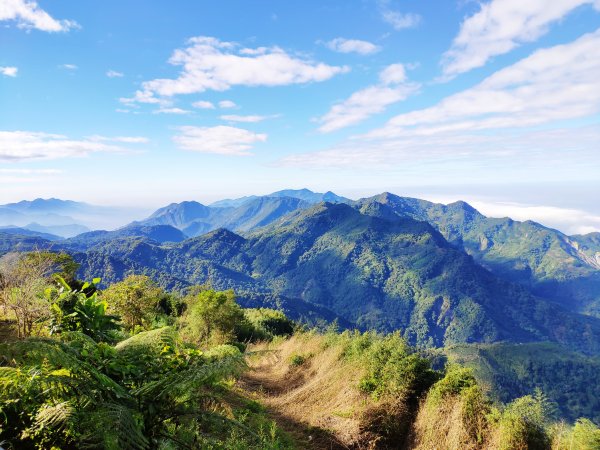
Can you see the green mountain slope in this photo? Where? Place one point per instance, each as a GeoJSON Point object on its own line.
{"type": "Point", "coordinates": [241, 215]}
{"type": "Point", "coordinates": [378, 273]}
{"type": "Point", "coordinates": [563, 268]}
{"type": "Point", "coordinates": [511, 371]}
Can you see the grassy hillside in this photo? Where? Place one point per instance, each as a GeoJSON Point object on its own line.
{"type": "Point", "coordinates": [350, 390]}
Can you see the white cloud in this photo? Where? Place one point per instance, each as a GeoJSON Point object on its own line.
{"type": "Point", "coordinates": [246, 119]}
{"type": "Point", "coordinates": [369, 101]}
{"type": "Point", "coordinates": [114, 74]}
{"type": "Point", "coordinates": [30, 171]}
{"type": "Point", "coordinates": [552, 84]}
{"type": "Point", "coordinates": [393, 74]}
{"type": "Point", "coordinates": [28, 15]}
{"type": "Point", "coordinates": [131, 139]}
{"type": "Point", "coordinates": [209, 64]}
{"type": "Point", "coordinates": [342, 45]}
{"type": "Point", "coordinates": [69, 66]}
{"type": "Point", "coordinates": [456, 155]}
{"type": "Point", "coordinates": [397, 19]}
{"type": "Point", "coordinates": [203, 104]}
{"type": "Point", "coordinates": [500, 26]}
{"type": "Point", "coordinates": [13, 176]}
{"type": "Point", "coordinates": [223, 140]}
{"type": "Point", "coordinates": [227, 104]}
{"type": "Point", "coordinates": [171, 111]}
{"type": "Point", "coordinates": [515, 119]}
{"type": "Point", "coordinates": [144, 97]}
{"type": "Point", "coordinates": [567, 220]}
{"type": "Point", "coordinates": [28, 145]}
{"type": "Point", "coordinates": [9, 71]}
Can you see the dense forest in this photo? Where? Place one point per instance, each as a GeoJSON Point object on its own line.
{"type": "Point", "coordinates": [133, 366]}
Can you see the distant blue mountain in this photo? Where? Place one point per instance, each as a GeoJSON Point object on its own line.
{"type": "Point", "coordinates": [310, 196]}
{"type": "Point", "coordinates": [302, 194]}
{"type": "Point", "coordinates": [242, 214]}
{"type": "Point", "coordinates": [51, 205]}
{"type": "Point", "coordinates": [157, 233]}
{"type": "Point", "coordinates": [66, 231]}
{"type": "Point", "coordinates": [65, 218]}
{"type": "Point", "coordinates": [232, 202]}
{"type": "Point", "coordinates": [18, 231]}
{"type": "Point", "coordinates": [262, 211]}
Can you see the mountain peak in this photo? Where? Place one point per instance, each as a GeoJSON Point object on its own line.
{"type": "Point", "coordinates": [461, 204]}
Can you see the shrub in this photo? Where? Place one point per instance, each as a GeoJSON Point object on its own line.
{"type": "Point", "coordinates": [524, 421]}
{"type": "Point", "coordinates": [135, 299]}
{"type": "Point", "coordinates": [455, 381]}
{"type": "Point", "coordinates": [584, 435]}
{"type": "Point", "coordinates": [392, 368]}
{"type": "Point", "coordinates": [297, 360]}
{"type": "Point", "coordinates": [268, 323]}
{"type": "Point", "coordinates": [74, 310]}
{"type": "Point", "coordinates": [213, 318]}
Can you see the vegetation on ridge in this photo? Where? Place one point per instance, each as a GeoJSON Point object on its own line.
{"type": "Point", "coordinates": [135, 367]}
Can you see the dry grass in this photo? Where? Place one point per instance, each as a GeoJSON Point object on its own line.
{"type": "Point", "coordinates": [311, 389]}
{"type": "Point", "coordinates": [320, 393]}
{"type": "Point", "coordinates": [443, 426]}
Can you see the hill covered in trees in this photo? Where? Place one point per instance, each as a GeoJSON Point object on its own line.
{"type": "Point", "coordinates": [513, 301]}
{"type": "Point", "coordinates": [370, 270]}
{"type": "Point", "coordinates": [371, 265]}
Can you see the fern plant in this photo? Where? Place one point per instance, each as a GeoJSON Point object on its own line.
{"type": "Point", "coordinates": [77, 393]}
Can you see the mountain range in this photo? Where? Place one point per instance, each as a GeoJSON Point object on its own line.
{"type": "Point", "coordinates": [62, 218]}
{"type": "Point", "coordinates": [443, 274]}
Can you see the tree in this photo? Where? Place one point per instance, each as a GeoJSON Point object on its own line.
{"type": "Point", "coordinates": [213, 317]}
{"type": "Point", "coordinates": [23, 280]}
{"type": "Point", "coordinates": [136, 299]}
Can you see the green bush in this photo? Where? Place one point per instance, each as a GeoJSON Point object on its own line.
{"type": "Point", "coordinates": [297, 360]}
{"type": "Point", "coordinates": [268, 323]}
{"type": "Point", "coordinates": [392, 367]}
{"type": "Point", "coordinates": [136, 300]}
{"type": "Point", "coordinates": [584, 435]}
{"type": "Point", "coordinates": [524, 422]}
{"type": "Point", "coordinates": [80, 310]}
{"type": "Point", "coordinates": [455, 381]}
{"type": "Point", "coordinates": [214, 318]}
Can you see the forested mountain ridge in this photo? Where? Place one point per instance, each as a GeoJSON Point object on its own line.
{"type": "Point", "coordinates": [376, 273]}
{"type": "Point", "coordinates": [241, 215]}
{"type": "Point", "coordinates": [512, 370]}
{"type": "Point", "coordinates": [301, 194]}
{"type": "Point", "coordinates": [384, 263]}
{"type": "Point", "coordinates": [377, 265]}
{"type": "Point", "coordinates": [554, 265]}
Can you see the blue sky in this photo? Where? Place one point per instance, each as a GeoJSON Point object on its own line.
{"type": "Point", "coordinates": [144, 103]}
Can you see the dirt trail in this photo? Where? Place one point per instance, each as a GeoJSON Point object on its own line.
{"type": "Point", "coordinates": [266, 382]}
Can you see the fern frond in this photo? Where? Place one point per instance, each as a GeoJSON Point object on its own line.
{"type": "Point", "coordinates": [82, 378]}
{"type": "Point", "coordinates": [191, 378]}
{"type": "Point", "coordinates": [54, 416]}
{"type": "Point", "coordinates": [10, 377]}
{"type": "Point", "coordinates": [149, 340]}
{"type": "Point", "coordinates": [114, 426]}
